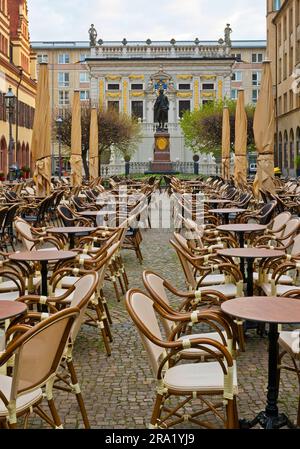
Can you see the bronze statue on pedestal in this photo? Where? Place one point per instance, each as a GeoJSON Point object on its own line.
{"type": "Point", "coordinates": [161, 111]}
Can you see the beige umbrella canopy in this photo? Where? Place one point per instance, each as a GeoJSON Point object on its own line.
{"type": "Point", "coordinates": [241, 130]}
{"type": "Point", "coordinates": [226, 144]}
{"type": "Point", "coordinates": [41, 135]}
{"type": "Point", "coordinates": [264, 131]}
{"type": "Point", "coordinates": [94, 145]}
{"type": "Point", "coordinates": [76, 138]}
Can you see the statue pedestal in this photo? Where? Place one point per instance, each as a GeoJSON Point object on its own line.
{"type": "Point", "coordinates": [162, 156]}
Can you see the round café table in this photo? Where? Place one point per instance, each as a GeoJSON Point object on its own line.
{"type": "Point", "coordinates": [72, 231]}
{"type": "Point", "coordinates": [240, 229]}
{"type": "Point", "coordinates": [216, 202]}
{"type": "Point", "coordinates": [226, 212]}
{"type": "Point", "coordinates": [274, 311]}
{"type": "Point", "coordinates": [11, 309]}
{"type": "Point", "coordinates": [250, 254]}
{"type": "Point", "coordinates": [93, 214]}
{"type": "Point", "coordinates": [44, 257]}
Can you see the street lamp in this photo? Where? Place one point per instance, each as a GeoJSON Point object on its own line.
{"type": "Point", "coordinates": [10, 101]}
{"type": "Point", "coordinates": [59, 122]}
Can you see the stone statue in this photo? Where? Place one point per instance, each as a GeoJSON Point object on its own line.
{"type": "Point", "coordinates": [227, 38]}
{"type": "Point", "coordinates": [161, 109]}
{"type": "Point", "coordinates": [93, 36]}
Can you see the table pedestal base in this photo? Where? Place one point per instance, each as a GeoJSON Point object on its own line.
{"type": "Point", "coordinates": [268, 422]}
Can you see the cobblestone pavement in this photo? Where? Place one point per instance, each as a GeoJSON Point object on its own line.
{"type": "Point", "coordinates": [119, 390]}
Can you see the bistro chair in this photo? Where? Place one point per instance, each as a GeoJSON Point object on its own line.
{"type": "Point", "coordinates": [191, 381]}
{"type": "Point", "coordinates": [80, 295]}
{"type": "Point", "coordinates": [289, 345]}
{"type": "Point", "coordinates": [38, 351]}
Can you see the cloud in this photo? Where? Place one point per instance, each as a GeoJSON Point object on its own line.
{"type": "Point", "coordinates": [142, 19]}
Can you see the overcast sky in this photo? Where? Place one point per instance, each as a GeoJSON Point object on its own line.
{"type": "Point", "coordinates": [142, 19]}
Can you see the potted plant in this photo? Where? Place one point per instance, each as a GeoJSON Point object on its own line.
{"type": "Point", "coordinates": [298, 165]}
{"type": "Point", "coordinates": [2, 176]}
{"type": "Point", "coordinates": [27, 172]}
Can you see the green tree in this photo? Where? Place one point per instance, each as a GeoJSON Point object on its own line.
{"type": "Point", "coordinates": [202, 129]}
{"type": "Point", "coordinates": [115, 130]}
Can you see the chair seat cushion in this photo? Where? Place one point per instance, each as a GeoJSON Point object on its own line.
{"type": "Point", "coordinates": [290, 342]}
{"type": "Point", "coordinates": [212, 279]}
{"type": "Point", "coordinates": [68, 281]}
{"type": "Point", "coordinates": [11, 286]}
{"type": "Point", "coordinates": [23, 402]}
{"type": "Point", "coordinates": [280, 289]}
{"type": "Point", "coordinates": [212, 335]}
{"type": "Point", "coordinates": [197, 377]}
{"type": "Point", "coordinates": [9, 296]}
{"type": "Point", "coordinates": [229, 290]}
{"type": "Point", "coordinates": [284, 279]}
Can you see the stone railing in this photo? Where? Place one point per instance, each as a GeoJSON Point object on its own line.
{"type": "Point", "coordinates": [151, 127]}
{"type": "Point", "coordinates": [160, 50]}
{"type": "Point", "coordinates": [207, 167]}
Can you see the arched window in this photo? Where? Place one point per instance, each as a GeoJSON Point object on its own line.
{"type": "Point", "coordinates": [19, 155]}
{"type": "Point", "coordinates": [298, 141]}
{"type": "Point", "coordinates": [23, 154]}
{"type": "Point", "coordinates": [292, 150]}
{"type": "Point", "coordinates": [3, 156]}
{"type": "Point", "coordinates": [280, 150]}
{"type": "Point", "coordinates": [285, 150]}
{"type": "Point", "coordinates": [27, 160]}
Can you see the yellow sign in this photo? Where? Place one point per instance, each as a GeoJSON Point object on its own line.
{"type": "Point", "coordinates": [137, 94]}
{"type": "Point", "coordinates": [184, 77]}
{"type": "Point", "coordinates": [162, 143]}
{"type": "Point", "coordinates": [184, 94]}
{"type": "Point", "coordinates": [136, 77]}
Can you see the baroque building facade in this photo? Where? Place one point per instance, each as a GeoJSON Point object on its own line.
{"type": "Point", "coordinates": [126, 75]}
{"type": "Point", "coordinates": [283, 26]}
{"type": "Point", "coordinates": [18, 71]}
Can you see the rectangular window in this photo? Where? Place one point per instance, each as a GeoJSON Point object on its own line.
{"type": "Point", "coordinates": [137, 109]}
{"type": "Point", "coordinates": [291, 100]}
{"type": "Point", "coordinates": [63, 79]}
{"type": "Point", "coordinates": [184, 105]}
{"type": "Point", "coordinates": [83, 57]}
{"type": "Point", "coordinates": [113, 87]}
{"type": "Point", "coordinates": [184, 86]}
{"type": "Point", "coordinates": [234, 94]}
{"type": "Point", "coordinates": [137, 86]}
{"type": "Point", "coordinates": [63, 98]}
{"type": "Point", "coordinates": [84, 95]}
{"type": "Point", "coordinates": [208, 86]}
{"type": "Point", "coordinates": [84, 77]}
{"type": "Point", "coordinates": [254, 96]}
{"type": "Point", "coordinates": [237, 76]}
{"type": "Point", "coordinates": [256, 78]}
{"type": "Point", "coordinates": [257, 57]}
{"type": "Point", "coordinates": [64, 58]}
{"type": "Point", "coordinates": [113, 105]}
{"type": "Point", "coordinates": [42, 59]}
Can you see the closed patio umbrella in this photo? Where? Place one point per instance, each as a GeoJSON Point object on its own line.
{"type": "Point", "coordinates": [76, 150]}
{"type": "Point", "coordinates": [41, 135]}
{"type": "Point", "coordinates": [241, 129]}
{"type": "Point", "coordinates": [226, 144]}
{"type": "Point", "coordinates": [94, 145]}
{"type": "Point", "coordinates": [264, 132]}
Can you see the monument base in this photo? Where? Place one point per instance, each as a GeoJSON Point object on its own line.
{"type": "Point", "coordinates": [162, 158]}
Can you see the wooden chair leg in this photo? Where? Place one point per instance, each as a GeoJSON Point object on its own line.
{"type": "Point", "coordinates": [78, 394]}
{"type": "Point", "coordinates": [101, 326]}
{"type": "Point", "coordinates": [157, 410]}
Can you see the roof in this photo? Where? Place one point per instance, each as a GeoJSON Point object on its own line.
{"type": "Point", "coordinates": [85, 45]}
